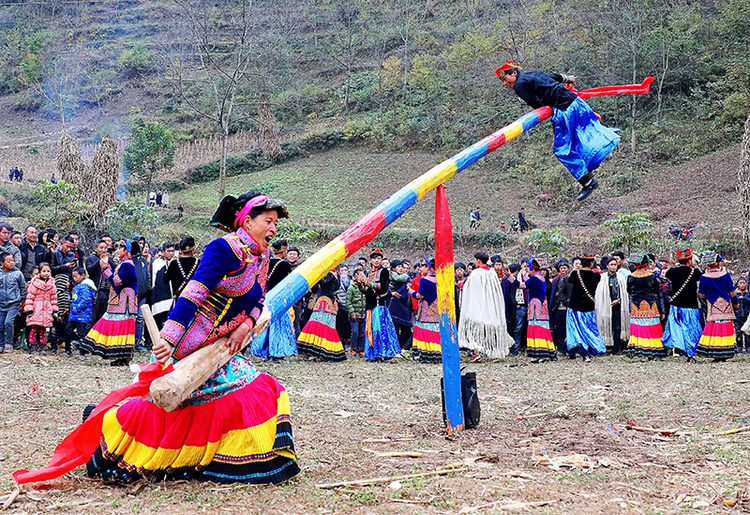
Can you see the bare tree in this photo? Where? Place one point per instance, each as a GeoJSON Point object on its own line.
{"type": "Point", "coordinates": [346, 46]}
{"type": "Point", "coordinates": [57, 84]}
{"type": "Point", "coordinates": [743, 183]}
{"type": "Point", "coordinates": [218, 51]}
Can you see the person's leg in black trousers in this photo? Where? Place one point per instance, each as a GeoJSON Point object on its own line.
{"type": "Point", "coordinates": [616, 328]}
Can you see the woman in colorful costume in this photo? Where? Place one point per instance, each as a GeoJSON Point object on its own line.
{"type": "Point", "coordinates": [319, 336]}
{"type": "Point", "coordinates": [581, 141]}
{"type": "Point", "coordinates": [540, 345]}
{"type": "Point", "coordinates": [683, 330]}
{"type": "Point", "coordinates": [113, 336]}
{"type": "Point", "coordinates": [236, 426]}
{"type": "Point", "coordinates": [381, 341]}
{"type": "Point", "coordinates": [277, 341]}
{"type": "Point", "coordinates": [646, 310]}
{"type": "Point", "coordinates": [426, 342]}
{"type": "Point", "coordinates": [717, 289]}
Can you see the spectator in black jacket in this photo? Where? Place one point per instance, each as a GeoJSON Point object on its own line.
{"type": "Point", "coordinates": [65, 260]}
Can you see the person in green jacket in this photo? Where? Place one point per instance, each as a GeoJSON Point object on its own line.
{"type": "Point", "coordinates": [355, 302]}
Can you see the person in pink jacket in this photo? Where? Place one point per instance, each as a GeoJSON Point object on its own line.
{"type": "Point", "coordinates": [40, 308]}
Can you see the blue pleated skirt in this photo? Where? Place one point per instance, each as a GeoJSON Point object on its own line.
{"type": "Point", "coordinates": [683, 329]}
{"type": "Point", "coordinates": [581, 141]}
{"type": "Point", "coordinates": [380, 334]}
{"type": "Point", "coordinates": [277, 341]}
{"type": "Point", "coordinates": [583, 333]}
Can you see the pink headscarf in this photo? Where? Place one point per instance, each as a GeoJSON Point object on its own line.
{"type": "Point", "coordinates": [249, 205]}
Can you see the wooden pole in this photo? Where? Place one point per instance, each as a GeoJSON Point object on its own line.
{"type": "Point", "coordinates": [446, 292]}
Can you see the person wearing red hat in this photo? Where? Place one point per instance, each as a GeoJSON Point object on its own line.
{"type": "Point", "coordinates": [380, 333]}
{"type": "Point", "coordinates": [581, 141]}
{"type": "Point", "coordinates": [683, 330]}
{"type": "Point", "coordinates": [581, 327]}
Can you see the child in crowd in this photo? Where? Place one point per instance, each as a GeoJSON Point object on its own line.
{"type": "Point", "coordinates": [12, 292]}
{"type": "Point", "coordinates": [355, 301]}
{"type": "Point", "coordinates": [82, 303]}
{"type": "Point", "coordinates": [62, 285]}
{"type": "Point", "coordinates": [743, 302]}
{"type": "Point", "coordinates": [40, 308]}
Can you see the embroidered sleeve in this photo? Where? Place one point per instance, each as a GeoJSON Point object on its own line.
{"type": "Point", "coordinates": [107, 272]}
{"type": "Point", "coordinates": [218, 259]}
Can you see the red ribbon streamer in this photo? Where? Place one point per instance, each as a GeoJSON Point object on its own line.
{"type": "Point", "coordinates": [625, 89]}
{"type": "Point", "coordinates": [78, 447]}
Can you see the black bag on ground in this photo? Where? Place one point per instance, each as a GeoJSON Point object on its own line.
{"type": "Point", "coordinates": [469, 399]}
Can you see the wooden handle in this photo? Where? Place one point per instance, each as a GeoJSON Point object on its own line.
{"type": "Point", "coordinates": [148, 319]}
{"type": "Point", "coordinates": [171, 390]}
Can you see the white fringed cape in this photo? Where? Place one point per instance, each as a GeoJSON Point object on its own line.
{"type": "Point", "coordinates": [482, 325]}
{"type": "Point", "coordinates": [604, 309]}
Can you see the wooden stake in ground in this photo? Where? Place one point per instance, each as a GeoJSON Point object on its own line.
{"type": "Point", "coordinates": [378, 480]}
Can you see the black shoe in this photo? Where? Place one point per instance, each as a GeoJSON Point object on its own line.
{"type": "Point", "coordinates": [588, 190]}
{"type": "Point", "coordinates": [87, 411]}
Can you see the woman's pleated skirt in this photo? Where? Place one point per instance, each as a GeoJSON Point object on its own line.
{"type": "Point", "coordinates": [381, 341]}
{"type": "Point", "coordinates": [112, 337]}
{"type": "Point", "coordinates": [645, 337]}
{"type": "Point", "coordinates": [277, 341]}
{"type": "Point", "coordinates": [426, 341]}
{"type": "Point", "coordinates": [243, 435]}
{"type": "Point", "coordinates": [319, 336]}
{"type": "Point", "coordinates": [718, 340]}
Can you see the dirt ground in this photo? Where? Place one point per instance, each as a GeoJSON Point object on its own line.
{"type": "Point", "coordinates": [345, 414]}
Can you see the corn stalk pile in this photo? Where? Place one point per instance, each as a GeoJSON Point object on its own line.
{"type": "Point", "coordinates": [70, 165]}
{"type": "Point", "coordinates": [101, 187]}
{"type": "Point", "coordinates": [269, 128]}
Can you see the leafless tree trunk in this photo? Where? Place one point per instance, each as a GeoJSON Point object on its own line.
{"type": "Point", "coordinates": [743, 183]}
{"type": "Point", "coordinates": [221, 47]}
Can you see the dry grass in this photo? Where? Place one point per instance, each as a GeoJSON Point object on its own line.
{"type": "Point", "coordinates": [588, 407]}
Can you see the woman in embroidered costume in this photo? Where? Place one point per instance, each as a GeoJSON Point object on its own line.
{"type": "Point", "coordinates": [540, 345]}
{"type": "Point", "coordinates": [683, 330]}
{"type": "Point", "coordinates": [426, 342]}
{"type": "Point", "coordinates": [646, 310]}
{"type": "Point", "coordinates": [319, 336]}
{"type": "Point", "coordinates": [380, 333]}
{"type": "Point", "coordinates": [236, 426]}
{"type": "Point", "coordinates": [113, 336]}
{"type": "Point", "coordinates": [717, 289]}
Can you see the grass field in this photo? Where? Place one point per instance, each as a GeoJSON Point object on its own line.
{"type": "Point", "coordinates": [576, 408]}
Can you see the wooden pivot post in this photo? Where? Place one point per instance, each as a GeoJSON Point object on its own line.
{"type": "Point", "coordinates": [446, 294]}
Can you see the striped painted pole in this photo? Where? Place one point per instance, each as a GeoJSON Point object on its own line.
{"type": "Point", "coordinates": [446, 297]}
{"type": "Point", "coordinates": [296, 284]}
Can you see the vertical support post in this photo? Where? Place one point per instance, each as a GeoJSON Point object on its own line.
{"type": "Point", "coordinates": [446, 292]}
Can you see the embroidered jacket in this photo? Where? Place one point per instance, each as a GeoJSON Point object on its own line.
{"type": "Point", "coordinates": [428, 310]}
{"type": "Point", "coordinates": [228, 287]}
{"type": "Point", "coordinates": [123, 295]}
